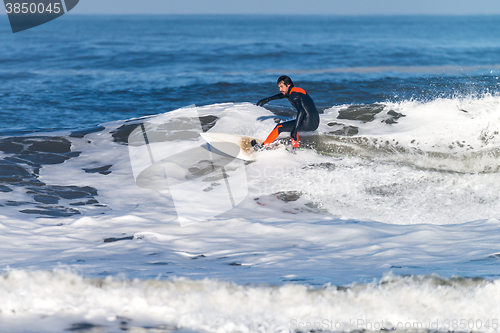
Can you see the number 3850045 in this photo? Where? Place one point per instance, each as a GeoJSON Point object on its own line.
{"type": "Point", "coordinates": [32, 8]}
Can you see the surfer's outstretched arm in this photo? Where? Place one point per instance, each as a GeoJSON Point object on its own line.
{"type": "Point", "coordinates": [272, 98]}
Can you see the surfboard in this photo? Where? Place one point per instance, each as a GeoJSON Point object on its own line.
{"type": "Point", "coordinates": [224, 142]}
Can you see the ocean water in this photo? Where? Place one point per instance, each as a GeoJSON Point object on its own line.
{"type": "Point", "coordinates": [387, 219]}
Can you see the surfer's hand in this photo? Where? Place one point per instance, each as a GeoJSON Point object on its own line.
{"type": "Point", "coordinates": [262, 101]}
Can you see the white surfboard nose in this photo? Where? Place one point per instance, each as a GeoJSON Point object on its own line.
{"type": "Point", "coordinates": [225, 143]}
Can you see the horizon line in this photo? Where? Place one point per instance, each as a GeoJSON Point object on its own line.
{"type": "Point", "coordinates": [281, 14]}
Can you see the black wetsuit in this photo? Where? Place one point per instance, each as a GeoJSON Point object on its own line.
{"type": "Point", "coordinates": [307, 114]}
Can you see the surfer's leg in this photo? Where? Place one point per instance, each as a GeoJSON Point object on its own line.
{"type": "Point", "coordinates": [295, 143]}
{"type": "Point", "coordinates": [286, 126]}
{"type": "Point", "coordinates": [273, 135]}
{"type": "Point", "coordinates": [289, 126]}
{"type": "Point", "coordinates": [307, 126]}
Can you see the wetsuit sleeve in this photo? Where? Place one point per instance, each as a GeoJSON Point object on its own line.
{"type": "Point", "coordinates": [301, 112]}
{"type": "Point", "coordinates": [298, 103]}
{"type": "Point", "coordinates": [272, 98]}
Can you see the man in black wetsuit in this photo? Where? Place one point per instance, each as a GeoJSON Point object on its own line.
{"type": "Point", "coordinates": [307, 114]}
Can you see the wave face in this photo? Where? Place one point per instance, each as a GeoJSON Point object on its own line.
{"type": "Point", "coordinates": [398, 163]}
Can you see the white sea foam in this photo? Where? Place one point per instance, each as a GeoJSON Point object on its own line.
{"type": "Point", "coordinates": [42, 301]}
{"type": "Point", "coordinates": [460, 134]}
{"type": "Point", "coordinates": [308, 218]}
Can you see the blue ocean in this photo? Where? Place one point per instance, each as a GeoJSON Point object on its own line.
{"type": "Point", "coordinates": [117, 215]}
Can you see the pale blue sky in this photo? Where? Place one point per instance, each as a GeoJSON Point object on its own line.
{"type": "Point", "coordinates": [308, 7]}
{"type": "Point", "coordinates": [330, 7]}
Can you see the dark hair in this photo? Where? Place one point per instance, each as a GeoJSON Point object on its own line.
{"type": "Point", "coordinates": [286, 80]}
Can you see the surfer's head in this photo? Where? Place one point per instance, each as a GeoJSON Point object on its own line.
{"type": "Point", "coordinates": [285, 83]}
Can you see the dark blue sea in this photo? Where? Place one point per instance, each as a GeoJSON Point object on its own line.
{"type": "Point", "coordinates": [84, 70]}
{"type": "Point", "coordinates": [116, 215]}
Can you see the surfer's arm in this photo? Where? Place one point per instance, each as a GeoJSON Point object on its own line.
{"type": "Point", "coordinates": [300, 118]}
{"type": "Point", "coordinates": [301, 113]}
{"type": "Point", "coordinates": [272, 98]}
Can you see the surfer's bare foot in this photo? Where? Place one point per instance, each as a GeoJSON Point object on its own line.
{"type": "Point", "coordinates": [256, 146]}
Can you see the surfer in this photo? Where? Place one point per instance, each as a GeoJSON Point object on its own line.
{"type": "Point", "coordinates": [307, 114]}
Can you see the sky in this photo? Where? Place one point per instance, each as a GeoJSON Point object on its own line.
{"type": "Point", "coordinates": [330, 7]}
{"type": "Point", "coordinates": [289, 7]}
